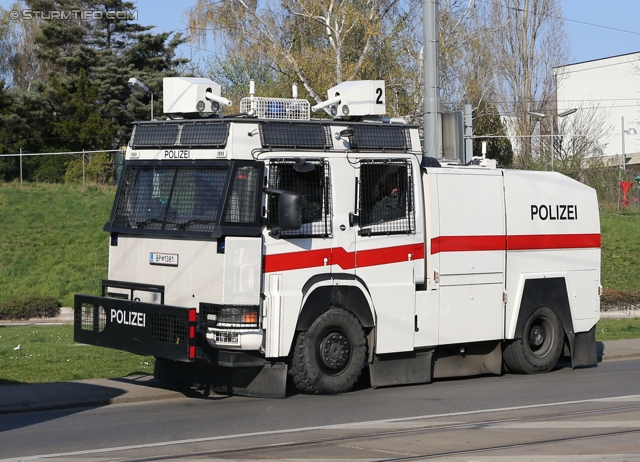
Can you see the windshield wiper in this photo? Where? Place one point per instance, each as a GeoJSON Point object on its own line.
{"type": "Point", "coordinates": [197, 221]}
{"type": "Point", "coordinates": [142, 224]}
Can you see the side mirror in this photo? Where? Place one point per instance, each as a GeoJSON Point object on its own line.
{"type": "Point", "coordinates": [289, 206]}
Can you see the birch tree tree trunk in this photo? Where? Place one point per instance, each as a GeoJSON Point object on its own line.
{"type": "Point", "coordinates": [528, 42]}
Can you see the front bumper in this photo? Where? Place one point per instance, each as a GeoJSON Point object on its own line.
{"type": "Point", "coordinates": [163, 331]}
{"type": "Point", "coordinates": [144, 328]}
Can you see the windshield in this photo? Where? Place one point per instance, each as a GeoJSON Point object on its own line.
{"type": "Point", "coordinates": [186, 198]}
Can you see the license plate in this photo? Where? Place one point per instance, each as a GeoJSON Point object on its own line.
{"type": "Point", "coordinates": [164, 259]}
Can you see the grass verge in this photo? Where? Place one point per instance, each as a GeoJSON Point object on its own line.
{"type": "Point", "coordinates": [617, 329]}
{"type": "Point", "coordinates": [49, 354]}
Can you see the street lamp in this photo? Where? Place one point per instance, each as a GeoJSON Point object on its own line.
{"type": "Point", "coordinates": [541, 116]}
{"type": "Point", "coordinates": [630, 131]}
{"type": "Point", "coordinates": [138, 87]}
{"type": "Point", "coordinates": [538, 116]}
{"type": "Point", "coordinates": [561, 114]}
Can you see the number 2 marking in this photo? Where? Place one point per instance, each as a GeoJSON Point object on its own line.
{"type": "Point", "coordinates": [379, 98]}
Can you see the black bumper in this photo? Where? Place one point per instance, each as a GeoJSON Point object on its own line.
{"type": "Point", "coordinates": [144, 328]}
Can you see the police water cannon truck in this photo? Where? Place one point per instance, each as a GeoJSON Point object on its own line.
{"type": "Point", "coordinates": [249, 250]}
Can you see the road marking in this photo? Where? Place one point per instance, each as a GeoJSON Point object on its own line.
{"type": "Point", "coordinates": [570, 424]}
{"type": "Point", "coordinates": [366, 424]}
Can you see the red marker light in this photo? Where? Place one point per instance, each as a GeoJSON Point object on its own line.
{"type": "Point", "coordinates": [192, 352]}
{"type": "Point", "coordinates": [192, 315]}
{"type": "Point", "coordinates": [192, 332]}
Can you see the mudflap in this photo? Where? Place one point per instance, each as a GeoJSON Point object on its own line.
{"type": "Point", "coordinates": [583, 348]}
{"type": "Point", "coordinates": [137, 327]}
{"type": "Point", "coordinates": [401, 369]}
{"type": "Point", "coordinates": [265, 381]}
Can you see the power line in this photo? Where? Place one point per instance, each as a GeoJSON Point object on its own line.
{"type": "Point", "coordinates": [562, 18]}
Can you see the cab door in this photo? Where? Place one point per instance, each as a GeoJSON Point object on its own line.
{"type": "Point", "coordinates": [388, 248]}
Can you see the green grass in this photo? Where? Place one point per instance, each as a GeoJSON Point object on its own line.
{"type": "Point", "coordinates": [621, 250]}
{"type": "Point", "coordinates": [616, 329]}
{"type": "Point", "coordinates": [52, 240]}
{"type": "Point", "coordinates": [48, 354]}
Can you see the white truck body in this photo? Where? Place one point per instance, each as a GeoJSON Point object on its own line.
{"type": "Point", "coordinates": [438, 290]}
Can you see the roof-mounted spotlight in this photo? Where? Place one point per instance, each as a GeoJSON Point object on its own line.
{"type": "Point", "coordinates": [137, 86]}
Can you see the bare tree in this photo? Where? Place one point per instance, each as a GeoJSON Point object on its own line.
{"type": "Point", "coordinates": [317, 43]}
{"type": "Point", "coordinates": [19, 65]}
{"type": "Point", "coordinates": [528, 43]}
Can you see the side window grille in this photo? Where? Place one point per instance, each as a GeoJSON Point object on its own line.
{"type": "Point", "coordinates": [386, 197]}
{"type": "Point", "coordinates": [315, 188]}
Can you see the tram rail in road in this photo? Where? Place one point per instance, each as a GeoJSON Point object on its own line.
{"type": "Point", "coordinates": [553, 431]}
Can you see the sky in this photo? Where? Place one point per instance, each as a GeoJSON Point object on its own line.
{"type": "Point", "coordinates": [596, 28]}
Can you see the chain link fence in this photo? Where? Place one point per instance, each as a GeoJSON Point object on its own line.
{"type": "Point", "coordinates": [99, 167]}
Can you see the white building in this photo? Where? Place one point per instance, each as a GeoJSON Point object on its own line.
{"type": "Point", "coordinates": [604, 91]}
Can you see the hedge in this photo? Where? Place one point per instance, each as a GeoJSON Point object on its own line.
{"type": "Point", "coordinates": [33, 306]}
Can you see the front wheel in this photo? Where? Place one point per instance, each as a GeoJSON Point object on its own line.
{"type": "Point", "coordinates": [540, 345]}
{"type": "Point", "coordinates": [328, 358]}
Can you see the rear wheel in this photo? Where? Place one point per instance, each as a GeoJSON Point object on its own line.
{"type": "Point", "coordinates": [539, 346]}
{"type": "Point", "coordinates": [328, 358]}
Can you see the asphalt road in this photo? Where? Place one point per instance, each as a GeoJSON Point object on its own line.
{"type": "Point", "coordinates": [200, 425]}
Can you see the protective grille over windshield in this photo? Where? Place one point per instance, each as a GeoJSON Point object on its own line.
{"type": "Point", "coordinates": [185, 198]}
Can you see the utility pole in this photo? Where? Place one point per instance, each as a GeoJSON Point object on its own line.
{"type": "Point", "coordinates": [431, 90]}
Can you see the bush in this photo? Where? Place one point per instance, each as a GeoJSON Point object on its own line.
{"type": "Point", "coordinates": [98, 169]}
{"type": "Point", "coordinates": [34, 306]}
{"type": "Point", "coordinates": [612, 300]}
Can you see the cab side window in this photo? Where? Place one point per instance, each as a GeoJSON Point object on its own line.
{"type": "Point", "coordinates": [311, 180]}
{"type": "Point", "coordinates": [385, 197]}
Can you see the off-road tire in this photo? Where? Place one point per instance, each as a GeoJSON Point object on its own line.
{"type": "Point", "coordinates": [539, 345]}
{"type": "Point", "coordinates": [328, 358]}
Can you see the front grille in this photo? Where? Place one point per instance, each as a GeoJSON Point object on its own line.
{"type": "Point", "coordinates": [168, 328]}
{"type": "Point", "coordinates": [226, 337]}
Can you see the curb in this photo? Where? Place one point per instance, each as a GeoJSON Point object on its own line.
{"type": "Point", "coordinates": [86, 393]}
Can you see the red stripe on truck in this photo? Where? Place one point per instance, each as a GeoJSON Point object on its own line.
{"type": "Point", "coordinates": [386, 255]}
{"type": "Point", "coordinates": [339, 256]}
{"type": "Point", "coordinates": [514, 242]}
{"type": "Point", "coordinates": [553, 241]}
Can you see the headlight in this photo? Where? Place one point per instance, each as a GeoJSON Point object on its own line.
{"type": "Point", "coordinates": [222, 316]}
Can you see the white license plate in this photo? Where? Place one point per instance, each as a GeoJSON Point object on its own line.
{"type": "Point", "coordinates": [165, 259]}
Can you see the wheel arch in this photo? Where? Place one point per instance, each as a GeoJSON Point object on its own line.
{"type": "Point", "coordinates": [320, 293]}
{"type": "Point", "coordinates": [545, 291]}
